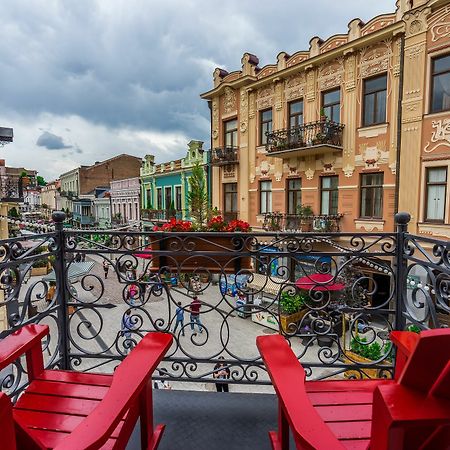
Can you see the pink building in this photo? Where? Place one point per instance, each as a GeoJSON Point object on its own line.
{"type": "Point", "coordinates": [125, 200]}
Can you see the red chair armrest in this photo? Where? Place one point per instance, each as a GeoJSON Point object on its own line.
{"type": "Point", "coordinates": [129, 379]}
{"type": "Point", "coordinates": [288, 379]}
{"type": "Point", "coordinates": [8, 433]}
{"type": "Point", "coordinates": [26, 340]}
{"type": "Point", "coordinates": [405, 341]}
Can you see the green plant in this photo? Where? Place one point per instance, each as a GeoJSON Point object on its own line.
{"type": "Point", "coordinates": [305, 210]}
{"type": "Point", "coordinates": [41, 181]}
{"type": "Point", "coordinates": [198, 195]}
{"type": "Point", "coordinates": [369, 351]}
{"type": "Point", "coordinates": [291, 303]}
{"type": "Point", "coordinates": [413, 328]}
{"type": "Point", "coordinates": [23, 174]}
{"type": "Point", "coordinates": [13, 212]}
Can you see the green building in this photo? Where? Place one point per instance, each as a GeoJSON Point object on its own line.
{"type": "Point", "coordinates": [164, 186]}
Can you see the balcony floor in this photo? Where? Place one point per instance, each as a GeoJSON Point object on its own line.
{"type": "Point", "coordinates": [210, 420]}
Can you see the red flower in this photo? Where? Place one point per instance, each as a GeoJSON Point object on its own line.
{"type": "Point", "coordinates": [174, 225]}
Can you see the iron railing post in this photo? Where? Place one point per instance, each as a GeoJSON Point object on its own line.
{"type": "Point", "coordinates": [401, 265]}
{"type": "Point", "coordinates": [61, 288]}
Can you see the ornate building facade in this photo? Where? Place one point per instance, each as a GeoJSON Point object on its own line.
{"type": "Point", "coordinates": [317, 134]}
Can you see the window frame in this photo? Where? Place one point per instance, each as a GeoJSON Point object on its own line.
{"type": "Point", "coordinates": [432, 75]}
{"type": "Point", "coordinates": [338, 103]}
{"type": "Point", "coordinates": [262, 136]}
{"type": "Point", "coordinates": [232, 131]}
{"type": "Point", "coordinates": [159, 198]}
{"type": "Point", "coordinates": [372, 187]}
{"type": "Point", "coordinates": [375, 107]}
{"type": "Point", "coordinates": [231, 194]}
{"type": "Point", "coordinates": [297, 192]}
{"type": "Point", "coordinates": [166, 189]}
{"type": "Point", "coordinates": [440, 183]}
{"type": "Point", "coordinates": [330, 190]}
{"type": "Point", "coordinates": [268, 192]}
{"type": "Point", "coordinates": [178, 190]}
{"type": "Point", "coordinates": [295, 115]}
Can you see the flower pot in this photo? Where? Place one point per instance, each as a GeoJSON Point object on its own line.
{"type": "Point", "coordinates": [369, 373]}
{"type": "Point", "coordinates": [287, 320]}
{"type": "Point", "coordinates": [213, 254]}
{"type": "Point", "coordinates": [38, 271]}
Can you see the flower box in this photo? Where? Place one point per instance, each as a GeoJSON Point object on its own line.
{"type": "Point", "coordinates": [39, 271]}
{"type": "Point", "coordinates": [194, 252]}
{"type": "Point", "coordinates": [286, 321]}
{"type": "Point", "coordinates": [369, 373]}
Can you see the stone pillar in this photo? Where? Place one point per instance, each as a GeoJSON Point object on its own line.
{"type": "Point", "coordinates": [243, 169]}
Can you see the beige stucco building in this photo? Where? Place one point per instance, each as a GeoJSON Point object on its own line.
{"type": "Point", "coordinates": [320, 128]}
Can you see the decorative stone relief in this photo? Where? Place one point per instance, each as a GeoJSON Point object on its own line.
{"type": "Point", "coordinates": [348, 170]}
{"type": "Point", "coordinates": [414, 52]}
{"type": "Point", "coordinates": [440, 135]}
{"type": "Point", "coordinates": [372, 156]}
{"type": "Point", "coordinates": [331, 75]}
{"type": "Point", "coordinates": [309, 173]}
{"type": "Point", "coordinates": [278, 176]}
{"type": "Point", "coordinates": [396, 65]}
{"type": "Point", "coordinates": [310, 88]}
{"type": "Point", "coordinates": [264, 168]}
{"type": "Point", "coordinates": [264, 97]}
{"type": "Point", "coordinates": [229, 100]}
{"type": "Point", "coordinates": [215, 118]}
{"type": "Point", "coordinates": [278, 96]}
{"type": "Point", "coordinates": [251, 111]}
{"type": "Point", "coordinates": [229, 171]}
{"type": "Point", "coordinates": [244, 111]}
{"type": "Point", "coordinates": [295, 86]}
{"type": "Point", "coordinates": [440, 24]}
{"type": "Point", "coordinates": [350, 81]}
{"type": "Point", "coordinates": [416, 20]}
{"type": "Point", "coordinates": [393, 167]}
{"type": "Point", "coordinates": [375, 59]}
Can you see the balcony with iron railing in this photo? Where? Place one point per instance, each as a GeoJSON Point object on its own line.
{"type": "Point", "coordinates": [161, 215]}
{"type": "Point", "coordinates": [248, 284]}
{"type": "Point", "coordinates": [277, 221]}
{"type": "Point", "coordinates": [306, 139]}
{"type": "Point", "coordinates": [222, 156]}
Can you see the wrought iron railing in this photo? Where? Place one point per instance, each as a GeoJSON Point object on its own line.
{"type": "Point", "coordinates": [306, 135]}
{"type": "Point", "coordinates": [161, 215]}
{"type": "Point", "coordinates": [224, 155]}
{"type": "Point", "coordinates": [334, 296]}
{"type": "Point", "coordinates": [276, 221]}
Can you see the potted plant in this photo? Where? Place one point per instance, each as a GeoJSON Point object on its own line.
{"type": "Point", "coordinates": [323, 116]}
{"type": "Point", "coordinates": [365, 353]}
{"type": "Point", "coordinates": [291, 307]}
{"type": "Point", "coordinates": [306, 217]}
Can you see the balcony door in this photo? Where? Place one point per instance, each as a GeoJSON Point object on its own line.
{"type": "Point", "coordinates": [168, 197]}
{"type": "Point", "coordinates": [230, 201]}
{"type": "Point", "coordinates": [230, 133]}
{"type": "Point", "coordinates": [294, 195]}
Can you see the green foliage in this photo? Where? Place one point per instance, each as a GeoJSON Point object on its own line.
{"type": "Point", "coordinates": [13, 212]}
{"type": "Point", "coordinates": [23, 174]}
{"type": "Point", "coordinates": [291, 303]}
{"type": "Point", "coordinates": [305, 210]}
{"type": "Point", "coordinates": [198, 195]}
{"type": "Point", "coordinates": [372, 351]}
{"type": "Point", "coordinates": [414, 328]}
{"type": "Point", "coordinates": [41, 181]}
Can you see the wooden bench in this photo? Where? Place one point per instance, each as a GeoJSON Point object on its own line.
{"type": "Point", "coordinates": [410, 412]}
{"type": "Point", "coordinates": [69, 410]}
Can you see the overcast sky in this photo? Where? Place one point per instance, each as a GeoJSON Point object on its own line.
{"type": "Point", "coordinates": [84, 80]}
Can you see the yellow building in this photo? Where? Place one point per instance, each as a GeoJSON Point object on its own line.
{"type": "Point", "coordinates": [317, 132]}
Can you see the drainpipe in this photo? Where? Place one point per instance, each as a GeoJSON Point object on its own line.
{"type": "Point", "coordinates": [209, 169]}
{"type": "Point", "coordinates": [399, 124]}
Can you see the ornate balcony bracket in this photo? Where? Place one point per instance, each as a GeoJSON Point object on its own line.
{"type": "Point", "coordinates": [307, 139]}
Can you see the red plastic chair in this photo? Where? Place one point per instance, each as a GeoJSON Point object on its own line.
{"type": "Point", "coordinates": [410, 412]}
{"type": "Point", "coordinates": [68, 410]}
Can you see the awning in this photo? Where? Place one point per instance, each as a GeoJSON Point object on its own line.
{"type": "Point", "coordinates": [319, 282]}
{"type": "Point", "coordinates": [76, 270]}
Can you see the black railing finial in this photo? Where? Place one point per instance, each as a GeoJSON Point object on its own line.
{"type": "Point", "coordinates": [59, 216]}
{"type": "Point", "coordinates": [402, 218]}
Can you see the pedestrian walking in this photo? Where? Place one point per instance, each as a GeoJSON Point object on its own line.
{"type": "Point", "coordinates": [195, 314]}
{"type": "Point", "coordinates": [105, 268]}
{"type": "Point", "coordinates": [179, 315]}
{"type": "Point", "coordinates": [132, 294]}
{"type": "Point", "coordinates": [221, 372]}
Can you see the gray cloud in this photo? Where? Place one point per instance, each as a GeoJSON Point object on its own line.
{"type": "Point", "coordinates": [140, 65]}
{"type": "Point", "coordinates": [51, 141]}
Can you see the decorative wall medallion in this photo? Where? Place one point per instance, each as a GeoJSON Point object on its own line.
{"type": "Point", "coordinates": [229, 100]}
{"type": "Point", "coordinates": [215, 134]}
{"type": "Point", "coordinates": [309, 173]}
{"type": "Point", "coordinates": [265, 168]}
{"type": "Point", "coordinates": [348, 170]}
{"type": "Point", "coordinates": [393, 167]}
{"type": "Point", "coordinates": [243, 127]}
{"type": "Point", "coordinates": [416, 20]}
{"type": "Point", "coordinates": [371, 157]}
{"type": "Point", "coordinates": [295, 86]}
{"type": "Point", "coordinates": [440, 135]}
{"type": "Point", "coordinates": [278, 176]}
{"type": "Point", "coordinates": [229, 171]}
{"type": "Point", "coordinates": [415, 27]}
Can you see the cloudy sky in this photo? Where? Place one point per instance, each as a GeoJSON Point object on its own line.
{"type": "Point", "coordinates": [83, 80]}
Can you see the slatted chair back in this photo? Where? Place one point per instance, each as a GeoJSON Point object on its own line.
{"type": "Point", "coordinates": [427, 361]}
{"type": "Point", "coordinates": [8, 435]}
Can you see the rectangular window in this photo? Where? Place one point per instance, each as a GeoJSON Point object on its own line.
{"type": "Point", "coordinates": [178, 206]}
{"type": "Point", "coordinates": [294, 195]}
{"type": "Point", "coordinates": [159, 198]}
{"type": "Point", "coordinates": [436, 192]}
{"type": "Point", "coordinates": [168, 197]}
{"type": "Point", "coordinates": [230, 133]}
{"type": "Point", "coordinates": [295, 113]}
{"type": "Point", "coordinates": [148, 197]}
{"type": "Point", "coordinates": [372, 195]}
{"type": "Point", "coordinates": [230, 200]}
{"type": "Point", "coordinates": [265, 191]}
{"type": "Point", "coordinates": [331, 104]}
{"type": "Point", "coordinates": [440, 84]}
{"type": "Point", "coordinates": [265, 125]}
{"type": "Point", "coordinates": [329, 195]}
{"type": "Point", "coordinates": [374, 93]}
